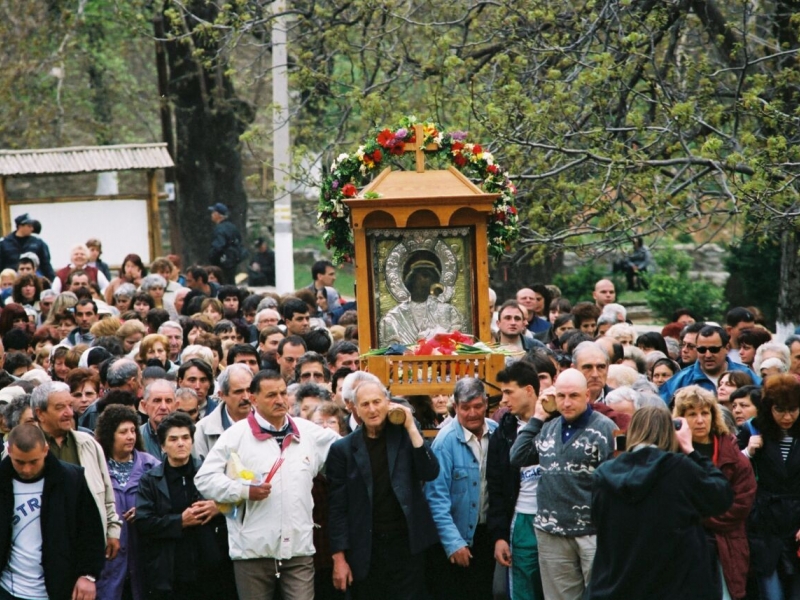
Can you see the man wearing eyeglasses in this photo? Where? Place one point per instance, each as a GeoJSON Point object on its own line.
{"type": "Point", "coordinates": [310, 368]}
{"type": "Point", "coordinates": [689, 343]}
{"type": "Point", "coordinates": [712, 349]}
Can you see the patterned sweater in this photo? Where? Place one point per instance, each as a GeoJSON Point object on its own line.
{"type": "Point", "coordinates": [565, 490]}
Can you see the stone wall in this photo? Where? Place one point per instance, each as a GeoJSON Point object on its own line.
{"type": "Point", "coordinates": [708, 261]}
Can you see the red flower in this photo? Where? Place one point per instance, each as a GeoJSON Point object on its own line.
{"type": "Point", "coordinates": [476, 149]}
{"type": "Point", "coordinates": [460, 159]}
{"type": "Point", "coordinates": [493, 169]}
{"type": "Point", "coordinates": [386, 138]}
{"type": "Point", "coordinates": [349, 190]}
{"type": "Point", "coordinates": [398, 149]}
{"type": "Point", "coordinates": [512, 210]}
{"type": "Point", "coordinates": [377, 156]}
{"type": "Point", "coordinates": [457, 146]}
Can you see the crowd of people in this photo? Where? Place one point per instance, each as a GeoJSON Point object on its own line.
{"type": "Point", "coordinates": [172, 435]}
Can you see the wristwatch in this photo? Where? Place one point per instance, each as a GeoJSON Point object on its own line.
{"type": "Point", "coordinates": [91, 578]}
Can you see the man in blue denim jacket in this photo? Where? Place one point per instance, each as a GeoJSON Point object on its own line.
{"type": "Point", "coordinates": [458, 498]}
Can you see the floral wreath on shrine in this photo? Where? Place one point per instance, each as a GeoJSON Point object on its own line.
{"type": "Point", "coordinates": [351, 172]}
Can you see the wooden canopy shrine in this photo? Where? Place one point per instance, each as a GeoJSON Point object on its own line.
{"type": "Point", "coordinates": [88, 159]}
{"type": "Point", "coordinates": [418, 206]}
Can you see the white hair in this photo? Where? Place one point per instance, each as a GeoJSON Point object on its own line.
{"type": "Point", "coordinates": [355, 379]}
{"type": "Point", "coordinates": [619, 330]}
{"type": "Point", "coordinates": [775, 349]}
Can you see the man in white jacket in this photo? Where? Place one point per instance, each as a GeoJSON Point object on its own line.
{"type": "Point", "coordinates": [271, 539]}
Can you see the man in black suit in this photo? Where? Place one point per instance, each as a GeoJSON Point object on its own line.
{"type": "Point", "coordinates": [380, 523]}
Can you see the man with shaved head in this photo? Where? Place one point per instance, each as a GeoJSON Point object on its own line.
{"type": "Point", "coordinates": [604, 293]}
{"type": "Point", "coordinates": [568, 448]}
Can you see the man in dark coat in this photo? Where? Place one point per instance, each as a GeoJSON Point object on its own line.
{"type": "Point", "coordinates": [22, 240]}
{"type": "Point", "coordinates": [226, 245]}
{"type": "Point", "coordinates": [52, 542]}
{"type": "Point", "coordinates": [380, 523]}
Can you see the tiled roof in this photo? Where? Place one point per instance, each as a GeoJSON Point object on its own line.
{"type": "Point", "coordinates": [84, 159]}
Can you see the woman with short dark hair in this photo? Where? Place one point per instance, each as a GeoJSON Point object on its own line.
{"type": "Point", "coordinates": [117, 432]}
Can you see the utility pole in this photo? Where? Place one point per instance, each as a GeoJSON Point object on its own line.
{"type": "Point", "coordinates": [167, 133]}
{"type": "Point", "coordinates": [282, 161]}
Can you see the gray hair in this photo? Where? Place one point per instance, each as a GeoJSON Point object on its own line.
{"type": "Point", "coordinates": [780, 349]}
{"type": "Point", "coordinates": [633, 353]}
{"type": "Point", "coordinates": [157, 382]}
{"type": "Point", "coordinates": [120, 371]}
{"type": "Point", "coordinates": [12, 412]}
{"type": "Point", "coordinates": [622, 394]}
{"type": "Point", "coordinates": [170, 325]}
{"type": "Point", "coordinates": [673, 347]}
{"type": "Point", "coordinates": [468, 389]}
{"type": "Point", "coordinates": [224, 379]}
{"type": "Point", "coordinates": [788, 341]}
{"type": "Point", "coordinates": [650, 399]}
{"type": "Point", "coordinates": [125, 289]}
{"type": "Point", "coordinates": [607, 320]}
{"type": "Point", "coordinates": [153, 280]}
{"type": "Point", "coordinates": [651, 358]}
{"type": "Point", "coordinates": [185, 391]}
{"type": "Point", "coordinates": [47, 294]}
{"type": "Point", "coordinates": [263, 312]}
{"type": "Point", "coordinates": [644, 385]}
{"type": "Point", "coordinates": [267, 302]}
{"type": "Point", "coordinates": [41, 394]}
{"type": "Point", "coordinates": [353, 380]}
{"type": "Point", "coordinates": [586, 347]}
{"type": "Point", "coordinates": [614, 310]}
{"type": "Point", "coordinates": [618, 330]}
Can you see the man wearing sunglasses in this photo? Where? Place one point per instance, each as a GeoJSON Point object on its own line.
{"type": "Point", "coordinates": [712, 349]}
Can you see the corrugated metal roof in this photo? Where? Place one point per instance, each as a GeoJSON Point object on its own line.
{"type": "Point", "coordinates": [84, 159]}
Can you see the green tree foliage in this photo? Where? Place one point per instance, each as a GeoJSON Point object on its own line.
{"type": "Point", "coordinates": [671, 288]}
{"type": "Point", "coordinates": [754, 272]}
{"type": "Point", "coordinates": [579, 285]}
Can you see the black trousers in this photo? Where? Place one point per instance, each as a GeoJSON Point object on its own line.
{"type": "Point", "coordinates": [394, 573]}
{"type": "Point", "coordinates": [448, 581]}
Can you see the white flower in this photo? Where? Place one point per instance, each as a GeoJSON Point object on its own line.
{"type": "Point", "coordinates": [343, 156]}
{"type": "Point", "coordinates": [487, 156]}
{"type": "Point", "coordinates": [438, 139]}
{"type": "Point", "coordinates": [363, 169]}
{"type": "Point", "coordinates": [360, 152]}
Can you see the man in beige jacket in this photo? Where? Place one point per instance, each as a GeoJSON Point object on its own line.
{"type": "Point", "coordinates": [52, 406]}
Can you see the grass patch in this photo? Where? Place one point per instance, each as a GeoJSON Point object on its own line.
{"type": "Point", "coordinates": [345, 274]}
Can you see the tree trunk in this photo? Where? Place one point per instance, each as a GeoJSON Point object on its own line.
{"type": "Point", "coordinates": [209, 119]}
{"type": "Point", "coordinates": [788, 285]}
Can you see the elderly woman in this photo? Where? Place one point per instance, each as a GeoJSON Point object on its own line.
{"type": "Point", "coordinates": [118, 434]}
{"type": "Point", "coordinates": [772, 445]}
{"type": "Point", "coordinates": [79, 259]}
{"type": "Point", "coordinates": [623, 333]}
{"type": "Point", "coordinates": [771, 350]}
{"type": "Point", "coordinates": [154, 286]}
{"type": "Point", "coordinates": [122, 298]}
{"type": "Point", "coordinates": [648, 504]}
{"type": "Point", "coordinates": [727, 535]}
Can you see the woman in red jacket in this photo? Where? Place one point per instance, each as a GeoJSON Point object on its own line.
{"type": "Point", "coordinates": [727, 532]}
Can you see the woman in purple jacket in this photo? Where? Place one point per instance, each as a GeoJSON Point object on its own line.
{"type": "Point", "coordinates": [118, 433]}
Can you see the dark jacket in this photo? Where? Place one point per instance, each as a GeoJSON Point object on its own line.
{"type": "Point", "coordinates": [159, 531]}
{"type": "Point", "coordinates": [730, 528]}
{"type": "Point", "coordinates": [73, 540]}
{"type": "Point", "coordinates": [226, 246]}
{"type": "Point", "coordinates": [647, 506]}
{"type": "Point", "coordinates": [349, 475]}
{"type": "Point", "coordinates": [502, 480]}
{"type": "Point", "coordinates": [775, 518]}
{"type": "Point", "coordinates": [12, 247]}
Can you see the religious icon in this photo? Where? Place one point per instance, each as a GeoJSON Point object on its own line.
{"type": "Point", "coordinates": [423, 283]}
